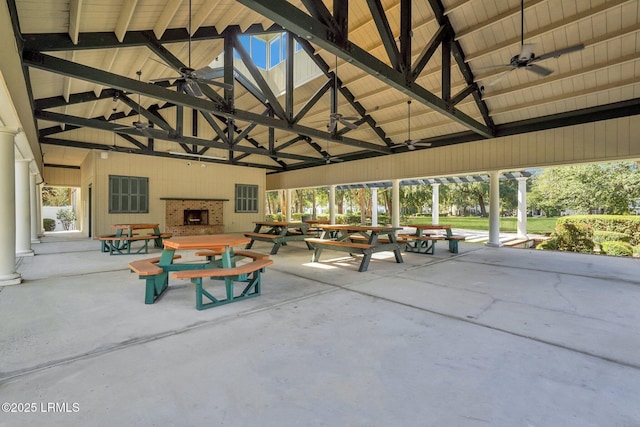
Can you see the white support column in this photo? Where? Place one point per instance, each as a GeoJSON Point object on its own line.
{"type": "Point", "coordinates": [332, 204]}
{"type": "Point", "coordinates": [23, 209]}
{"type": "Point", "coordinates": [435, 204]}
{"type": "Point", "coordinates": [39, 210]}
{"type": "Point", "coordinates": [8, 274]}
{"type": "Point", "coordinates": [395, 203]}
{"type": "Point", "coordinates": [33, 199]}
{"type": "Point", "coordinates": [522, 207]}
{"type": "Point", "coordinates": [374, 207]}
{"type": "Point", "coordinates": [288, 205]}
{"type": "Point", "coordinates": [494, 209]}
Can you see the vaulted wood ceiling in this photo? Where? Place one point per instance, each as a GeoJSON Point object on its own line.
{"type": "Point", "coordinates": [81, 59]}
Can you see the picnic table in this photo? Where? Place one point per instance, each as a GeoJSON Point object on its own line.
{"type": "Point", "coordinates": [357, 239]}
{"type": "Point", "coordinates": [313, 225]}
{"type": "Point", "coordinates": [156, 270]}
{"type": "Point", "coordinates": [278, 233]}
{"type": "Point", "coordinates": [426, 235]}
{"type": "Point", "coordinates": [120, 242]}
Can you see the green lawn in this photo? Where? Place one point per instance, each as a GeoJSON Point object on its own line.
{"type": "Point", "coordinates": [507, 224]}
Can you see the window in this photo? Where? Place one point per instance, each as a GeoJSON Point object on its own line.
{"type": "Point", "coordinates": [274, 52]}
{"type": "Point", "coordinates": [128, 194]}
{"type": "Point", "coordinates": [246, 198]}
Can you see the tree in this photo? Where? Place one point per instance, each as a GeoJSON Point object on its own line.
{"type": "Point", "coordinates": [67, 217]}
{"type": "Point", "coordinates": [56, 196]}
{"type": "Point", "coordinates": [413, 198]}
{"type": "Point", "coordinates": [607, 187]}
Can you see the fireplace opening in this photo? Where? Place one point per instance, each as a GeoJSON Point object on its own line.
{"type": "Point", "coordinates": [196, 217]}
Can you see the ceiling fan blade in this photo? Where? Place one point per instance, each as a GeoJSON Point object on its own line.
{"type": "Point", "coordinates": [559, 52]}
{"type": "Point", "coordinates": [541, 71]}
{"type": "Point", "coordinates": [216, 83]}
{"type": "Point", "coordinates": [348, 124]}
{"type": "Point", "coordinates": [492, 67]}
{"type": "Point", "coordinates": [500, 77]}
{"type": "Point", "coordinates": [419, 143]}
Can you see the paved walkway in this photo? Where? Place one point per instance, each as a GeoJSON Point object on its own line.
{"type": "Point", "coordinates": [500, 337]}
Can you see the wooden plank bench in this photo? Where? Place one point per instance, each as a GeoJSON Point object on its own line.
{"type": "Point", "coordinates": [425, 244]}
{"type": "Point", "coordinates": [453, 242]}
{"type": "Point", "coordinates": [121, 245]}
{"type": "Point", "coordinates": [148, 266]}
{"type": "Point", "coordinates": [230, 275]}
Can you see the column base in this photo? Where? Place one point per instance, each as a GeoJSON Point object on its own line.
{"type": "Point", "coordinates": [35, 241]}
{"type": "Point", "coordinates": [10, 279]}
{"type": "Point", "coordinates": [25, 253]}
{"type": "Point", "coordinates": [493, 245]}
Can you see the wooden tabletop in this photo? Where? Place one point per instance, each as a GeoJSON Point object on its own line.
{"type": "Point", "coordinates": [134, 226]}
{"type": "Point", "coordinates": [207, 241]}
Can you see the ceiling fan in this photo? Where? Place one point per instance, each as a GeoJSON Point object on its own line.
{"type": "Point", "coordinates": [527, 59]}
{"type": "Point", "coordinates": [191, 77]}
{"type": "Point", "coordinates": [139, 125]}
{"type": "Point", "coordinates": [329, 158]}
{"type": "Point", "coordinates": [335, 118]}
{"type": "Point", "coordinates": [411, 144]}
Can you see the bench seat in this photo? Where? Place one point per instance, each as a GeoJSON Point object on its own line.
{"type": "Point", "coordinates": [121, 245]}
{"type": "Point", "coordinates": [249, 254]}
{"type": "Point", "coordinates": [230, 275]}
{"type": "Point", "coordinates": [148, 266]}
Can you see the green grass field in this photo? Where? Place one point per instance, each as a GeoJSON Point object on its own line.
{"type": "Point", "coordinates": [507, 224]}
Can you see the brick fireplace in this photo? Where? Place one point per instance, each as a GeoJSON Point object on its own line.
{"type": "Point", "coordinates": [189, 217]}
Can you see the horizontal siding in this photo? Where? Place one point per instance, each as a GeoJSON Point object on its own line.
{"type": "Point", "coordinates": [171, 178]}
{"type": "Point", "coordinates": [62, 177]}
{"type": "Point", "coordinates": [609, 140]}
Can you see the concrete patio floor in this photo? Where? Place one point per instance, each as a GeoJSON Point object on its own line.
{"type": "Point", "coordinates": [504, 337]}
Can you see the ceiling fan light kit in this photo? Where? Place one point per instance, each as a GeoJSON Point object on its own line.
{"type": "Point", "coordinates": [527, 59]}
{"type": "Point", "coordinates": [411, 144]}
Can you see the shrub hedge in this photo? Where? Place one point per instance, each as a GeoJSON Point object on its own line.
{"type": "Point", "coordinates": [626, 224]}
{"type": "Point", "coordinates": [49, 224]}
{"type": "Point", "coordinates": [599, 237]}
{"type": "Point", "coordinates": [617, 248]}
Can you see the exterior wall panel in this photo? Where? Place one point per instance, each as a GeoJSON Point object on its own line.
{"type": "Point", "coordinates": [610, 140]}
